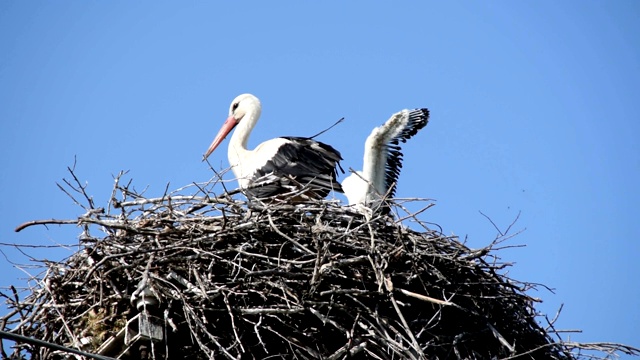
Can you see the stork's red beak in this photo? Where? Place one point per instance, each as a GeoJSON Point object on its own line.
{"type": "Point", "coordinates": [224, 131]}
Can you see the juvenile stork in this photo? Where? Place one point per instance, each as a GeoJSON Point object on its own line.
{"type": "Point", "coordinates": [383, 158]}
{"type": "Point", "coordinates": [280, 166]}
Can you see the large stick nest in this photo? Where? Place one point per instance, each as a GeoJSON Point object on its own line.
{"type": "Point", "coordinates": [256, 280]}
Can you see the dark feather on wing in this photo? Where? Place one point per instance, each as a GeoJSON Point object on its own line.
{"type": "Point", "coordinates": [300, 163]}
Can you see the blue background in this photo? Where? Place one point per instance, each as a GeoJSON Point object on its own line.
{"type": "Point", "coordinates": [535, 109]}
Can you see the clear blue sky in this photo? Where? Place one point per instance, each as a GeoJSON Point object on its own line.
{"type": "Point", "coordinates": [535, 108]}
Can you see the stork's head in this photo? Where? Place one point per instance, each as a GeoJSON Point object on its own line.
{"type": "Point", "coordinates": [243, 104]}
{"type": "Point", "coordinates": [244, 107]}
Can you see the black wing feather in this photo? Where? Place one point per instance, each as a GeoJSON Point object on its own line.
{"type": "Point", "coordinates": [298, 163]}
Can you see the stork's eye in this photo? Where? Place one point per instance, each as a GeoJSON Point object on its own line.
{"type": "Point", "coordinates": [234, 106]}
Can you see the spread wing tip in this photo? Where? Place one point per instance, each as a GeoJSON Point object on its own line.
{"type": "Point", "coordinates": [418, 118]}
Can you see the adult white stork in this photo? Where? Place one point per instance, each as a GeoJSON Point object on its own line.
{"type": "Point", "coordinates": [284, 165]}
{"type": "Point", "coordinates": [383, 158]}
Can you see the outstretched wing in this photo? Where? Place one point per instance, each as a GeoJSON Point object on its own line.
{"type": "Point", "coordinates": [416, 120]}
{"type": "Point", "coordinates": [383, 152]}
{"type": "Point", "coordinates": [383, 157]}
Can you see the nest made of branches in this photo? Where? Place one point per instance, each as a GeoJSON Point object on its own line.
{"type": "Point", "coordinates": [238, 279]}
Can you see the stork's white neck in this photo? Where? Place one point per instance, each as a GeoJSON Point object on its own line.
{"type": "Point", "coordinates": [238, 153]}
